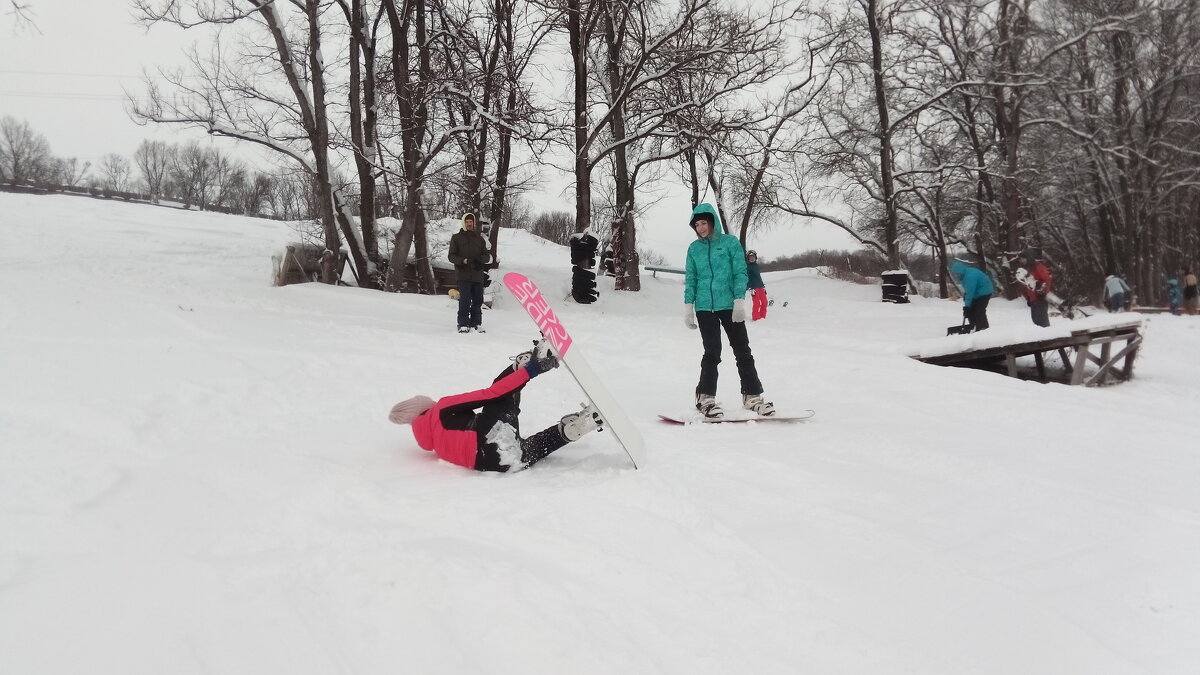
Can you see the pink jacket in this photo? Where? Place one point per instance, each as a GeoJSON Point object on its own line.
{"type": "Point", "coordinates": [442, 428]}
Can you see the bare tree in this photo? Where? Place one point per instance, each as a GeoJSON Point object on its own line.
{"type": "Point", "coordinates": [192, 175]}
{"type": "Point", "coordinates": [69, 171]}
{"type": "Point", "coordinates": [235, 98]}
{"type": "Point", "coordinates": [363, 107]}
{"type": "Point", "coordinates": [640, 48]}
{"type": "Point", "coordinates": [253, 194]}
{"type": "Point", "coordinates": [24, 153]}
{"type": "Point", "coordinates": [22, 14]}
{"type": "Point", "coordinates": [114, 172]}
{"type": "Point", "coordinates": [555, 226]}
{"type": "Point", "coordinates": [486, 55]}
{"type": "Point", "coordinates": [153, 160]}
{"type": "Point", "coordinates": [417, 90]}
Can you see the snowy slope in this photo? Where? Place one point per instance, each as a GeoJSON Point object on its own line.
{"type": "Point", "coordinates": [197, 475]}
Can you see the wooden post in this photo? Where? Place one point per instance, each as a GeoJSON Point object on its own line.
{"type": "Point", "coordinates": [1081, 357]}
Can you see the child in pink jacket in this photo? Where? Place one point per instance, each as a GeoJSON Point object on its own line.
{"type": "Point", "coordinates": [480, 429]}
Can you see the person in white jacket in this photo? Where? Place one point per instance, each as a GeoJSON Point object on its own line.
{"type": "Point", "coordinates": [1115, 289]}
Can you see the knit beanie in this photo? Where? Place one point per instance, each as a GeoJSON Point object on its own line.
{"type": "Point", "coordinates": [408, 410]}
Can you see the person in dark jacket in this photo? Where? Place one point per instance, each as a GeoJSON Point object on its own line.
{"type": "Point", "coordinates": [977, 288]}
{"type": "Point", "coordinates": [480, 430]}
{"type": "Point", "coordinates": [758, 290]}
{"type": "Point", "coordinates": [470, 256]}
{"type": "Point", "coordinates": [714, 297]}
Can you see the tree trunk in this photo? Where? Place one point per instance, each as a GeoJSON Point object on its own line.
{"type": "Point", "coordinates": [1008, 123]}
{"type": "Point", "coordinates": [583, 171]}
{"type": "Point", "coordinates": [412, 110]}
{"type": "Point", "coordinates": [628, 278]}
{"type": "Point", "coordinates": [362, 125]}
{"type": "Point", "coordinates": [886, 179]}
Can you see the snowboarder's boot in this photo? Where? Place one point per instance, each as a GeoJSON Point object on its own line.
{"type": "Point", "coordinates": [574, 426]}
{"type": "Point", "coordinates": [708, 406]}
{"type": "Point", "coordinates": [758, 404]}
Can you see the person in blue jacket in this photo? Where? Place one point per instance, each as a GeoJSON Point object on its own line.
{"type": "Point", "coordinates": [977, 290]}
{"type": "Point", "coordinates": [714, 297]}
{"type": "Point", "coordinates": [758, 290]}
{"type": "Point", "coordinates": [1174, 295]}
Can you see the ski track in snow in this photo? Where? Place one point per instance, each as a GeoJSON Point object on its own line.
{"type": "Point", "coordinates": [197, 475]}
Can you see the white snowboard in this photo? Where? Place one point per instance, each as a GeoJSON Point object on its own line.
{"type": "Point", "coordinates": [531, 298]}
{"type": "Point", "coordinates": [697, 418]}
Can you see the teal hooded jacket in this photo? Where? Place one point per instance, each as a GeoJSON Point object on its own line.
{"type": "Point", "coordinates": [716, 267]}
{"type": "Point", "coordinates": [975, 283]}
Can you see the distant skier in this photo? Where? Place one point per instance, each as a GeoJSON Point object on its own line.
{"type": "Point", "coordinates": [977, 290]}
{"type": "Point", "coordinates": [1115, 289]}
{"type": "Point", "coordinates": [480, 429]}
{"type": "Point", "coordinates": [758, 290]}
{"type": "Point", "coordinates": [1041, 283]}
{"type": "Point", "coordinates": [714, 295]}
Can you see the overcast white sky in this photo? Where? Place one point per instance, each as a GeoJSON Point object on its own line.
{"type": "Point", "coordinates": [66, 78]}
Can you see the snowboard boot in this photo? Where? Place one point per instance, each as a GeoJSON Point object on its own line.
{"type": "Point", "coordinates": [540, 353]}
{"type": "Point", "coordinates": [756, 403]}
{"type": "Point", "coordinates": [708, 406]}
{"type": "Point", "coordinates": [574, 426]}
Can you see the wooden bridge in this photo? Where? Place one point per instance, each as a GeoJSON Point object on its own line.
{"type": "Point", "coordinates": [1110, 342]}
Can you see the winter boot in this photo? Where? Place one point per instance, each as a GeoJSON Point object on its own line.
{"type": "Point", "coordinates": [464, 329]}
{"type": "Point", "coordinates": [574, 426]}
{"type": "Point", "coordinates": [708, 406]}
{"type": "Point", "coordinates": [758, 404]}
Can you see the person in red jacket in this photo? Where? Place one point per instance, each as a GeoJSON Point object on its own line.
{"type": "Point", "coordinates": [480, 429]}
{"type": "Point", "coordinates": [1040, 283]}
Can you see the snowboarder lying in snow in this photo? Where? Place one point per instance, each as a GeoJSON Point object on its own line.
{"type": "Point", "coordinates": [490, 439]}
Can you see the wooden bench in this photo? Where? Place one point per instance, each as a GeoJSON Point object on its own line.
{"type": "Point", "coordinates": [666, 270]}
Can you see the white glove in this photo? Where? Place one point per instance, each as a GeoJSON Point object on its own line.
{"type": "Point", "coordinates": [739, 310]}
{"type": "Point", "coordinates": [689, 315]}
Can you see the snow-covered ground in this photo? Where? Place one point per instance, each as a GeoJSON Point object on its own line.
{"type": "Point", "coordinates": [197, 475]}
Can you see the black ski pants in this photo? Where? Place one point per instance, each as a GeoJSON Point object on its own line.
{"type": "Point", "coordinates": [506, 410]}
{"type": "Point", "coordinates": [977, 313]}
{"type": "Point", "coordinates": [710, 324]}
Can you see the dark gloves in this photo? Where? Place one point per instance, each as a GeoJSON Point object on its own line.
{"type": "Point", "coordinates": [966, 311]}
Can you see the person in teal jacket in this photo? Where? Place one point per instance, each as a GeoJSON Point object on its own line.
{"type": "Point", "coordinates": [758, 290]}
{"type": "Point", "coordinates": [977, 290]}
{"type": "Point", "coordinates": [714, 297]}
